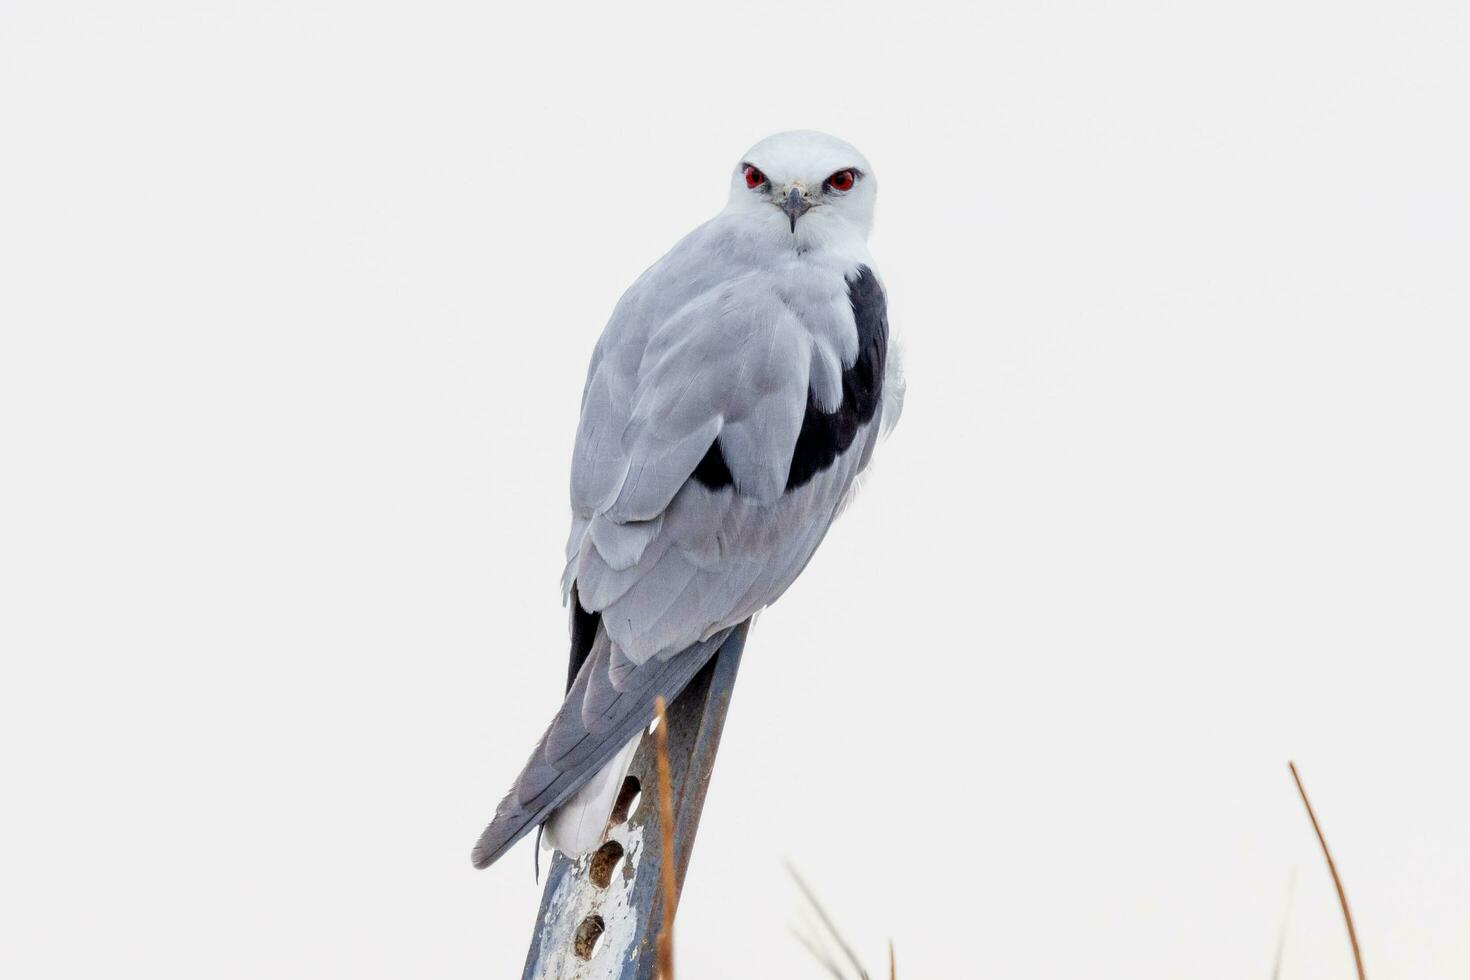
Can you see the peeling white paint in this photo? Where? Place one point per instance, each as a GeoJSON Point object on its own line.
{"type": "Point", "coordinates": [576, 898]}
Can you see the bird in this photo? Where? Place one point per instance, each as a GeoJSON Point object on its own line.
{"type": "Point", "coordinates": [733, 399]}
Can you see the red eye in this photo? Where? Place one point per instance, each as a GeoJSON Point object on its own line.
{"type": "Point", "coordinates": [753, 177]}
{"type": "Point", "coordinates": [842, 180]}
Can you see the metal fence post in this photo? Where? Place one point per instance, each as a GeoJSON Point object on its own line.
{"type": "Point", "coordinates": [600, 914]}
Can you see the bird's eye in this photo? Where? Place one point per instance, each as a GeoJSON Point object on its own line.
{"type": "Point", "coordinates": [842, 180]}
{"type": "Point", "coordinates": [753, 177]}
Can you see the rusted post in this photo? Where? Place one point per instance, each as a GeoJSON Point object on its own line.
{"type": "Point", "coordinates": [600, 914]}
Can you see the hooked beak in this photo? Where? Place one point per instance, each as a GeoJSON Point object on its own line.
{"type": "Point", "coordinates": [794, 206]}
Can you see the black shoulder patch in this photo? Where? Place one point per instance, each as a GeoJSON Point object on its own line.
{"type": "Point", "coordinates": [824, 436]}
{"type": "Point", "coordinates": [713, 472]}
{"type": "Point", "coordinates": [584, 631]}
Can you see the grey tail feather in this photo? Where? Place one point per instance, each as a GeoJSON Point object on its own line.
{"type": "Point", "coordinates": [546, 783]}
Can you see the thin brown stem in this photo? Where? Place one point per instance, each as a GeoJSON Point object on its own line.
{"type": "Point", "coordinates": [892, 963]}
{"type": "Point", "coordinates": [665, 948]}
{"type": "Point", "coordinates": [1332, 867]}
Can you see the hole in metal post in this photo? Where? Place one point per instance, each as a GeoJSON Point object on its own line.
{"type": "Point", "coordinates": [627, 803]}
{"type": "Point", "coordinates": [585, 943]}
{"type": "Point", "coordinates": [604, 862]}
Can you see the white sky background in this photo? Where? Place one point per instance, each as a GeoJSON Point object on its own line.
{"type": "Point", "coordinates": [297, 300]}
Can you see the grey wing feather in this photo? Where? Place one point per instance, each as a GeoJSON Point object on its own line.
{"type": "Point", "coordinates": [662, 558]}
{"type": "Point", "coordinates": [569, 754]}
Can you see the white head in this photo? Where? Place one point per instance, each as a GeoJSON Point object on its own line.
{"type": "Point", "coordinates": [806, 186]}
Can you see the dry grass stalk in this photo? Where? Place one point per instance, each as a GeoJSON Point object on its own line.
{"type": "Point", "coordinates": [1285, 924]}
{"type": "Point", "coordinates": [1332, 867]}
{"type": "Point", "coordinates": [819, 954]}
{"type": "Point", "coordinates": [665, 946]}
{"type": "Point", "coordinates": [817, 948]}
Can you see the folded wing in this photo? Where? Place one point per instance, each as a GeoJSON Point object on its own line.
{"type": "Point", "coordinates": [724, 422]}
